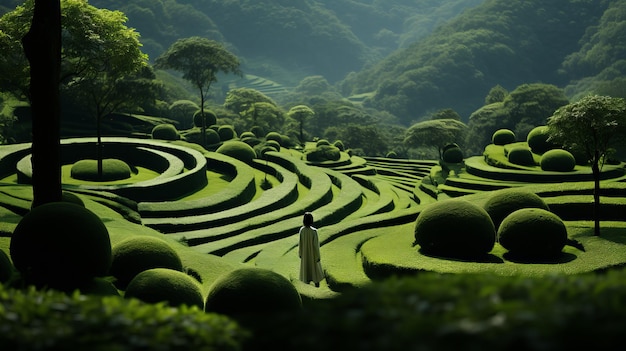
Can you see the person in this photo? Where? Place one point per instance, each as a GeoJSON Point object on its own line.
{"type": "Point", "coordinates": [309, 251]}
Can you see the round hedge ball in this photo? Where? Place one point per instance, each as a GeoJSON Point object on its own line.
{"type": "Point", "coordinates": [537, 140]}
{"type": "Point", "coordinates": [247, 291]}
{"type": "Point", "coordinates": [112, 170]}
{"type": "Point", "coordinates": [558, 160]}
{"type": "Point", "coordinates": [274, 136]}
{"type": "Point", "coordinates": [60, 245]}
{"type": "Point", "coordinates": [454, 228]}
{"type": "Point", "coordinates": [165, 131]}
{"type": "Point", "coordinates": [226, 132]}
{"type": "Point", "coordinates": [453, 155]}
{"type": "Point", "coordinates": [521, 156]}
{"type": "Point", "coordinates": [237, 149]}
{"type": "Point", "coordinates": [6, 267]}
{"type": "Point", "coordinates": [137, 254]}
{"type": "Point", "coordinates": [533, 232]}
{"type": "Point", "coordinates": [165, 285]}
{"type": "Point", "coordinates": [502, 203]}
{"type": "Point", "coordinates": [210, 118]}
{"type": "Point", "coordinates": [503, 137]}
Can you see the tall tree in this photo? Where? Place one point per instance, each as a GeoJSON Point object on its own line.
{"type": "Point", "coordinates": [42, 47]}
{"type": "Point", "coordinates": [435, 133]}
{"type": "Point", "coordinates": [300, 113]}
{"type": "Point", "coordinates": [200, 60]}
{"type": "Point", "coordinates": [593, 125]}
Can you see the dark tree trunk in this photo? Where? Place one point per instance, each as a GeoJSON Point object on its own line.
{"type": "Point", "coordinates": [596, 193]}
{"type": "Point", "coordinates": [42, 46]}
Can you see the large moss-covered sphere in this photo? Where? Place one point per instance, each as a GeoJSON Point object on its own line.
{"type": "Point", "coordinates": [247, 291]}
{"type": "Point", "coordinates": [60, 245]}
{"type": "Point", "coordinates": [454, 228]}
{"type": "Point", "coordinates": [558, 160]}
{"type": "Point", "coordinates": [537, 140]}
{"type": "Point", "coordinates": [137, 254]}
{"type": "Point", "coordinates": [533, 232]}
{"type": "Point", "coordinates": [112, 170]}
{"type": "Point", "coordinates": [503, 137]}
{"type": "Point", "coordinates": [209, 116]}
{"type": "Point", "coordinates": [165, 131]}
{"type": "Point", "coordinates": [226, 132]}
{"type": "Point", "coordinates": [165, 285]}
{"type": "Point", "coordinates": [521, 156]}
{"type": "Point", "coordinates": [237, 149]}
{"type": "Point", "coordinates": [6, 267]}
{"type": "Point", "coordinates": [453, 155]}
{"type": "Point", "coordinates": [502, 203]}
{"type": "Point", "coordinates": [274, 136]}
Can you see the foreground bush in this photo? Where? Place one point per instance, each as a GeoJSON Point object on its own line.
{"type": "Point", "coordinates": [502, 203]}
{"type": "Point", "coordinates": [60, 245]}
{"type": "Point", "coordinates": [533, 233]}
{"type": "Point", "coordinates": [112, 169]}
{"type": "Point", "coordinates": [35, 320]}
{"type": "Point", "coordinates": [165, 285]}
{"type": "Point", "coordinates": [6, 267]}
{"type": "Point", "coordinates": [454, 228]}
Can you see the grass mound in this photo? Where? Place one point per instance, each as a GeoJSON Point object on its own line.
{"type": "Point", "coordinates": [533, 233]}
{"type": "Point", "coordinates": [112, 169]}
{"type": "Point", "coordinates": [504, 202]}
{"type": "Point", "coordinates": [165, 285]}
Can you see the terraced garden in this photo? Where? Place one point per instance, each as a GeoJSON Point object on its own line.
{"type": "Point", "coordinates": [216, 213]}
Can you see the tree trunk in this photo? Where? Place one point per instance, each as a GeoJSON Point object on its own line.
{"type": "Point", "coordinates": [42, 47]}
{"type": "Point", "coordinates": [203, 119]}
{"type": "Point", "coordinates": [596, 193]}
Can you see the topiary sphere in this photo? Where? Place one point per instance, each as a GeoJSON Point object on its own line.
{"type": "Point", "coordinates": [537, 140]}
{"type": "Point", "coordinates": [226, 132]}
{"type": "Point", "coordinates": [533, 232]}
{"type": "Point", "coordinates": [137, 254]}
{"type": "Point", "coordinates": [60, 245]}
{"type": "Point", "coordinates": [212, 137]}
{"type": "Point", "coordinates": [247, 135]}
{"type": "Point", "coordinates": [323, 153]}
{"type": "Point", "coordinates": [274, 136]}
{"type": "Point", "coordinates": [502, 203]}
{"type": "Point", "coordinates": [112, 170]}
{"type": "Point", "coordinates": [558, 160]}
{"type": "Point", "coordinates": [454, 228]}
{"type": "Point", "coordinates": [71, 197]}
{"type": "Point", "coordinates": [391, 154]}
{"type": "Point", "coordinates": [274, 144]}
{"type": "Point", "coordinates": [209, 116]}
{"type": "Point", "coordinates": [521, 156]}
{"type": "Point", "coordinates": [453, 155]}
{"type": "Point", "coordinates": [165, 131]}
{"type": "Point", "coordinates": [322, 142]}
{"type": "Point", "coordinates": [237, 149]}
{"type": "Point", "coordinates": [165, 285]}
{"type": "Point", "coordinates": [248, 291]}
{"type": "Point", "coordinates": [503, 137]}
{"type": "Point", "coordinates": [258, 131]}
{"type": "Point", "coordinates": [339, 145]}
{"type": "Point", "coordinates": [6, 267]}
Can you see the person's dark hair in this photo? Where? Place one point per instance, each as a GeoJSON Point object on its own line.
{"type": "Point", "coordinates": [308, 219]}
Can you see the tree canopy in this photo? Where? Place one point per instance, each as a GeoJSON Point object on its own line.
{"type": "Point", "coordinates": [435, 133]}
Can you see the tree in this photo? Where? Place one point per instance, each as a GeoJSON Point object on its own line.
{"type": "Point", "coordinates": [200, 60]}
{"type": "Point", "coordinates": [239, 100]}
{"type": "Point", "coordinates": [435, 133]}
{"type": "Point", "coordinates": [300, 113]}
{"type": "Point", "coordinates": [593, 125]}
{"type": "Point", "coordinates": [265, 115]}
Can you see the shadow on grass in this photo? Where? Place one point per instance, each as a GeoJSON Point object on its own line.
{"type": "Point", "coordinates": [564, 257]}
{"type": "Point", "coordinates": [486, 258]}
{"type": "Point", "coordinates": [614, 234]}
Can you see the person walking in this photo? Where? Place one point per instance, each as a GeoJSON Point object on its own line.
{"type": "Point", "coordinates": [309, 251]}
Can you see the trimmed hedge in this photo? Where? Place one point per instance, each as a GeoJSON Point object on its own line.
{"type": "Point", "coordinates": [6, 267]}
{"type": "Point", "coordinates": [165, 285]}
{"type": "Point", "coordinates": [226, 132]}
{"type": "Point", "coordinates": [112, 169]}
{"type": "Point", "coordinates": [454, 228]}
{"type": "Point", "coordinates": [533, 233]}
{"type": "Point", "coordinates": [134, 255]}
{"type": "Point", "coordinates": [60, 245]}
{"type": "Point", "coordinates": [521, 156]}
{"type": "Point", "coordinates": [165, 131]}
{"type": "Point", "coordinates": [558, 160]}
{"type": "Point", "coordinates": [453, 155]}
{"type": "Point", "coordinates": [209, 116]}
{"type": "Point", "coordinates": [537, 140]}
{"type": "Point", "coordinates": [274, 136]}
{"type": "Point", "coordinates": [49, 320]}
{"type": "Point", "coordinates": [237, 149]}
{"type": "Point", "coordinates": [323, 153]}
{"type": "Point", "coordinates": [504, 202]}
{"type": "Point", "coordinates": [503, 137]}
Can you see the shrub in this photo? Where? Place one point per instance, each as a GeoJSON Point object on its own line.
{"type": "Point", "coordinates": [502, 203]}
{"type": "Point", "coordinates": [537, 140]}
{"type": "Point", "coordinates": [533, 232]}
{"type": "Point", "coordinates": [112, 170]}
{"type": "Point", "coordinates": [49, 320]}
{"type": "Point", "coordinates": [237, 149]}
{"type": "Point", "coordinates": [453, 155]}
{"type": "Point", "coordinates": [252, 141]}
{"type": "Point", "coordinates": [165, 285]}
{"type": "Point", "coordinates": [6, 267]}
{"type": "Point", "coordinates": [60, 245]}
{"type": "Point", "coordinates": [73, 198]}
{"type": "Point", "coordinates": [391, 154]}
{"type": "Point", "coordinates": [274, 144]}
{"type": "Point", "coordinates": [339, 145]}
{"type": "Point", "coordinates": [226, 132]}
{"type": "Point", "coordinates": [212, 137]}
{"type": "Point", "coordinates": [322, 142]}
{"type": "Point", "coordinates": [521, 156]}
{"type": "Point", "coordinates": [323, 153]}
{"type": "Point", "coordinates": [165, 131]}
{"type": "Point", "coordinates": [137, 254]}
{"type": "Point", "coordinates": [503, 137]}
{"type": "Point", "coordinates": [454, 228]}
{"type": "Point", "coordinates": [274, 136]}
{"type": "Point", "coordinates": [252, 291]}
{"type": "Point", "coordinates": [558, 160]}
{"type": "Point", "coordinates": [247, 135]}
{"type": "Point", "coordinates": [210, 118]}
{"type": "Point", "coordinates": [258, 131]}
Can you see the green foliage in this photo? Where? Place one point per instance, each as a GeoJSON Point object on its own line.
{"type": "Point", "coordinates": [112, 169]}
{"type": "Point", "coordinates": [435, 133]}
{"type": "Point", "coordinates": [453, 155]}
{"type": "Point", "coordinates": [522, 156]}
{"type": "Point", "coordinates": [322, 142]}
{"type": "Point", "coordinates": [532, 233]}
{"type": "Point", "coordinates": [6, 268]}
{"type": "Point", "coordinates": [237, 149]}
{"type": "Point", "coordinates": [496, 94]}
{"type": "Point", "coordinates": [240, 99]}
{"type": "Point", "coordinates": [503, 137]}
{"type": "Point", "coordinates": [323, 153]}
{"type": "Point", "coordinates": [165, 131]}
{"type": "Point", "coordinates": [165, 285]}
{"type": "Point", "coordinates": [537, 140]}
{"type": "Point", "coordinates": [274, 136]}
{"type": "Point", "coordinates": [60, 245]}
{"type": "Point", "coordinates": [252, 291]}
{"type": "Point", "coordinates": [204, 118]}
{"type": "Point", "coordinates": [226, 132]}
{"type": "Point", "coordinates": [136, 254]}
{"type": "Point", "coordinates": [339, 145]}
{"type": "Point", "coordinates": [502, 203]}
{"type": "Point", "coordinates": [558, 160]}
{"type": "Point", "coordinates": [454, 228]}
{"type": "Point", "coordinates": [50, 320]}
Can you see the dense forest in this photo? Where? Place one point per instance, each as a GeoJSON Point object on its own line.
{"type": "Point", "coordinates": [370, 69]}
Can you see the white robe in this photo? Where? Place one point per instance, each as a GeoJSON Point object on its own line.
{"type": "Point", "coordinates": [309, 251]}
